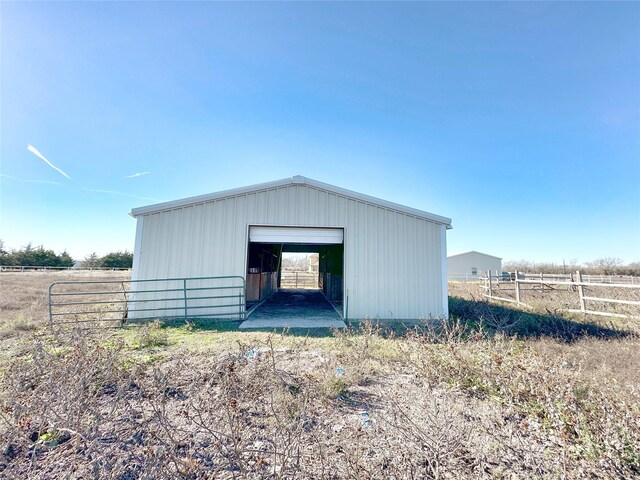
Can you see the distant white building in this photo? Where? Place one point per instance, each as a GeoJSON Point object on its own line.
{"type": "Point", "coordinates": [472, 265]}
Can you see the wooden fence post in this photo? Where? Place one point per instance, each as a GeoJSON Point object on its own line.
{"type": "Point", "coordinates": [583, 303]}
{"type": "Point", "coordinates": [517, 287]}
{"type": "Point", "coordinates": [490, 284]}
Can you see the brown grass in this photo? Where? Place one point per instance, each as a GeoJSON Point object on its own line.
{"type": "Point", "coordinates": [493, 393]}
{"type": "Point", "coordinates": [24, 306]}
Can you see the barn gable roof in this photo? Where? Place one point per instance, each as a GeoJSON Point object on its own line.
{"type": "Point", "coordinates": [474, 251]}
{"type": "Point", "coordinates": [297, 180]}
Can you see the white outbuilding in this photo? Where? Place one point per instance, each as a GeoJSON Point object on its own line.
{"type": "Point", "coordinates": [378, 259]}
{"type": "Point", "coordinates": [472, 265]}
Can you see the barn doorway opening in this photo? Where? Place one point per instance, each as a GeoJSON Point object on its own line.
{"type": "Point", "coordinates": [300, 270]}
{"type": "Point", "coordinates": [295, 272]}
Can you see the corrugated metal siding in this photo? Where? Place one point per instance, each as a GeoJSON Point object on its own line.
{"type": "Point", "coordinates": [393, 260]}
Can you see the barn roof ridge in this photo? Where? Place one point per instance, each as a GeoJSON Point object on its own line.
{"type": "Point", "coordinates": [474, 251]}
{"type": "Point", "coordinates": [295, 180]}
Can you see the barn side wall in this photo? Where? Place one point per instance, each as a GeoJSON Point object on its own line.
{"type": "Point", "coordinates": [459, 266]}
{"type": "Point", "coordinates": [393, 261]}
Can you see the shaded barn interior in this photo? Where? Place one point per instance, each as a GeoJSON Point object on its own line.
{"type": "Point", "coordinates": [264, 269]}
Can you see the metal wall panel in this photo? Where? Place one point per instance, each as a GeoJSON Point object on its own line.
{"type": "Point", "coordinates": [459, 266]}
{"type": "Point", "coordinates": [393, 260]}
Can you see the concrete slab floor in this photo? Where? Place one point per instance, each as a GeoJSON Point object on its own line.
{"type": "Point", "coordinates": [296, 309]}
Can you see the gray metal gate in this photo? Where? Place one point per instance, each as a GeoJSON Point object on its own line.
{"type": "Point", "coordinates": [294, 280]}
{"type": "Point", "coordinates": [118, 302]}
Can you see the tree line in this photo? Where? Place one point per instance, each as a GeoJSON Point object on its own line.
{"type": "Point", "coordinates": [599, 266]}
{"type": "Point", "coordinates": [110, 260]}
{"type": "Point", "coordinates": [30, 256]}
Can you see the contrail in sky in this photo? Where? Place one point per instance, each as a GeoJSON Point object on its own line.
{"type": "Point", "coordinates": [29, 180]}
{"type": "Point", "coordinates": [137, 175]}
{"type": "Point", "coordinates": [35, 151]}
{"type": "Point", "coordinates": [85, 189]}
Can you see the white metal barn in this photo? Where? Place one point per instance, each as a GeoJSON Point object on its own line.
{"type": "Point", "coordinates": [472, 265]}
{"type": "Point", "coordinates": [377, 258]}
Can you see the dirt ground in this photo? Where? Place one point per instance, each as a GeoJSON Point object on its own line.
{"type": "Point", "coordinates": [494, 392]}
{"type": "Point", "coordinates": [300, 308]}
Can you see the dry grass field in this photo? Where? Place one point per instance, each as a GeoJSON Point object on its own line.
{"type": "Point", "coordinates": [495, 392]}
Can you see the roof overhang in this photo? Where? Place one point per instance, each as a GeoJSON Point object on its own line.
{"type": "Point", "coordinates": [297, 180]}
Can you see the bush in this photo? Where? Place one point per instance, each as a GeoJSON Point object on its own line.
{"type": "Point", "coordinates": [28, 256]}
{"type": "Point", "coordinates": [117, 260]}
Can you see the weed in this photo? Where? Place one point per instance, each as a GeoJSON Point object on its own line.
{"type": "Point", "coordinates": [151, 335]}
{"type": "Point", "coordinates": [22, 324]}
{"type": "Point", "coordinates": [335, 387]}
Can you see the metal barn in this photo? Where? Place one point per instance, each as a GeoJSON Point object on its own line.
{"type": "Point", "coordinates": [377, 259]}
{"type": "Point", "coordinates": [472, 265]}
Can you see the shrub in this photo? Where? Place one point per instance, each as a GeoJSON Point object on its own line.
{"type": "Point", "coordinates": [117, 260]}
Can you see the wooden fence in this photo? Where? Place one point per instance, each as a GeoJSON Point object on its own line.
{"type": "Point", "coordinates": [494, 285]}
{"type": "Point", "coordinates": [586, 277]}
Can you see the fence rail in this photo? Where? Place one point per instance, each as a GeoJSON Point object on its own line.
{"type": "Point", "coordinates": [45, 268]}
{"type": "Point", "coordinates": [124, 301]}
{"type": "Point", "coordinates": [463, 277]}
{"type": "Point", "coordinates": [572, 283]}
{"type": "Point", "coordinates": [587, 278]}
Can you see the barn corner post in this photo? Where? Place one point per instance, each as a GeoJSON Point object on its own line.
{"type": "Point", "coordinates": [444, 271]}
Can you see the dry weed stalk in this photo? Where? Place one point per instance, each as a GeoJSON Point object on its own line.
{"type": "Point", "coordinates": [434, 436]}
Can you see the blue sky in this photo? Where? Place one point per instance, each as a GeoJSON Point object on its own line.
{"type": "Point", "coordinates": [520, 121]}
